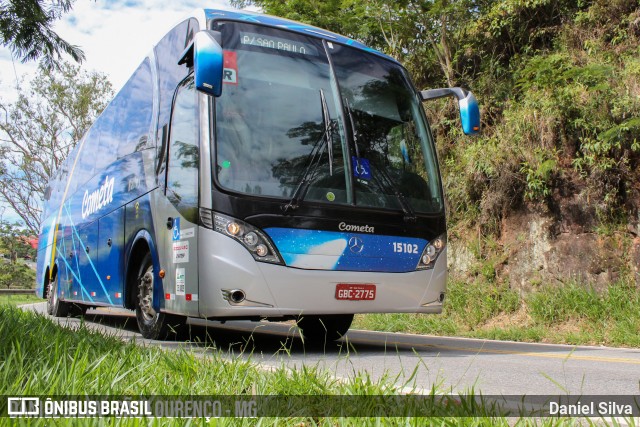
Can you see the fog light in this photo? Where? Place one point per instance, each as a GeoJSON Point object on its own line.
{"type": "Point", "coordinates": [262, 250]}
{"type": "Point", "coordinates": [251, 238]}
{"type": "Point", "coordinates": [233, 228]}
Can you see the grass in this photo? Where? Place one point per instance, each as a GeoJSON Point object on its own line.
{"type": "Point", "coordinates": [569, 313]}
{"type": "Point", "coordinates": [38, 357]}
{"type": "Point", "coordinates": [19, 299]}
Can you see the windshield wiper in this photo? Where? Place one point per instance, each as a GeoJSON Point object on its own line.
{"type": "Point", "coordinates": [327, 130]}
{"type": "Point", "coordinates": [315, 157]}
{"type": "Point", "coordinates": [386, 184]}
{"type": "Point", "coordinates": [354, 132]}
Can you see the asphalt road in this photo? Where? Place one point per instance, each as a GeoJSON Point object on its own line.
{"type": "Point", "coordinates": [413, 361]}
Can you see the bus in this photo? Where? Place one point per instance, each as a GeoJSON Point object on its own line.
{"type": "Point", "coordinates": [252, 168]}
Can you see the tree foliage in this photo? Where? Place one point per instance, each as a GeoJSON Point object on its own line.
{"type": "Point", "coordinates": [423, 34]}
{"type": "Point", "coordinates": [559, 86]}
{"type": "Point", "coordinates": [25, 27]}
{"type": "Point", "coordinates": [37, 132]}
{"type": "Point", "coordinates": [14, 250]}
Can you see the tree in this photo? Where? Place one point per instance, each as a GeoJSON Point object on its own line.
{"type": "Point", "coordinates": [15, 242]}
{"type": "Point", "coordinates": [25, 27]}
{"type": "Point", "coordinates": [14, 246]}
{"type": "Point", "coordinates": [40, 128]}
{"type": "Point", "coordinates": [425, 35]}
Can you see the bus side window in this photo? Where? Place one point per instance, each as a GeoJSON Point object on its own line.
{"type": "Point", "coordinates": [135, 119]}
{"type": "Point", "coordinates": [182, 168]}
{"type": "Point", "coordinates": [108, 140]}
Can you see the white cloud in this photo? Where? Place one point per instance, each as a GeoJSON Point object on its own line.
{"type": "Point", "coordinates": [115, 36]}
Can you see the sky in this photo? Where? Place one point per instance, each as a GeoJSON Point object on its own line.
{"type": "Point", "coordinates": [115, 36]}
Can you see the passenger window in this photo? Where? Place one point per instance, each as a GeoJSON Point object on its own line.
{"type": "Point", "coordinates": [182, 169]}
{"type": "Point", "coordinates": [135, 116]}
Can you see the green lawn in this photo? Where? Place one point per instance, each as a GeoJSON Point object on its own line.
{"type": "Point", "coordinates": [565, 314]}
{"type": "Point", "coordinates": [19, 299]}
{"type": "Point", "coordinates": [39, 357]}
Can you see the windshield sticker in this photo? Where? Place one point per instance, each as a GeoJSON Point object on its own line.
{"type": "Point", "coordinates": [187, 233]}
{"type": "Point", "coordinates": [176, 229]}
{"type": "Point", "coordinates": [330, 196]}
{"type": "Point", "coordinates": [180, 280]}
{"type": "Point", "coordinates": [180, 252]}
{"type": "Point", "coordinates": [230, 75]}
{"type": "Point", "coordinates": [361, 168]}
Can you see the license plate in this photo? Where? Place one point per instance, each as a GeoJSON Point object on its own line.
{"type": "Point", "coordinates": [355, 292]}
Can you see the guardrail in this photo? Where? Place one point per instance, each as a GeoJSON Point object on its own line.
{"type": "Point", "coordinates": [17, 291]}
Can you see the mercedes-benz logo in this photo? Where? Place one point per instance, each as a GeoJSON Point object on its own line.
{"type": "Point", "coordinates": [356, 245]}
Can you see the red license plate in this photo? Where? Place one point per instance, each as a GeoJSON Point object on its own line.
{"type": "Point", "coordinates": [355, 291]}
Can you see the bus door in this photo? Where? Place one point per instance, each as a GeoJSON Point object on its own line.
{"type": "Point", "coordinates": [181, 204]}
{"type": "Point", "coordinates": [69, 280]}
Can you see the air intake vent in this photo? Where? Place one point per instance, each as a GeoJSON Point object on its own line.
{"type": "Point", "coordinates": [206, 218]}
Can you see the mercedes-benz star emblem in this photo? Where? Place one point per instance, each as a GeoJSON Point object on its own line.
{"type": "Point", "coordinates": [356, 245]}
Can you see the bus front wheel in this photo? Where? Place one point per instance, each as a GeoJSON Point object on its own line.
{"type": "Point", "coordinates": [153, 324]}
{"type": "Point", "coordinates": [324, 329]}
{"type": "Point", "coordinates": [55, 307]}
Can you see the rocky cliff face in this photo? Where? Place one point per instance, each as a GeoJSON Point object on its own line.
{"type": "Point", "coordinates": [538, 249]}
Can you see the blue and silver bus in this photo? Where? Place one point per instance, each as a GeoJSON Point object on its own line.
{"type": "Point", "coordinates": [252, 168]}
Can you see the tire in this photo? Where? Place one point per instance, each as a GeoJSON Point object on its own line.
{"type": "Point", "coordinates": [153, 325]}
{"type": "Point", "coordinates": [55, 307]}
{"type": "Point", "coordinates": [324, 329]}
{"type": "Point", "coordinates": [48, 286]}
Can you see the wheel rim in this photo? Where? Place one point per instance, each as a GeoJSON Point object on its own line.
{"type": "Point", "coordinates": [145, 295]}
{"type": "Point", "coordinates": [51, 293]}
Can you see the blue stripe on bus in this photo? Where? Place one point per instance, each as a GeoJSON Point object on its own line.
{"type": "Point", "coordinates": [93, 267]}
{"type": "Point", "coordinates": [344, 251]}
{"type": "Point", "coordinates": [69, 268]}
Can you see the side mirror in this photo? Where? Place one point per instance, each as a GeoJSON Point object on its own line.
{"type": "Point", "coordinates": [469, 111]}
{"type": "Point", "coordinates": [205, 55]}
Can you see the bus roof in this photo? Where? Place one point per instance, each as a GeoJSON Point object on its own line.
{"type": "Point", "coordinates": [309, 30]}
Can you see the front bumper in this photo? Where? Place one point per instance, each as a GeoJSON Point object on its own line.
{"type": "Point", "coordinates": [280, 291]}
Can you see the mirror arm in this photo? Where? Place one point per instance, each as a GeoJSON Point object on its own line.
{"type": "Point", "coordinates": [187, 56]}
{"type": "Point", "coordinates": [458, 92]}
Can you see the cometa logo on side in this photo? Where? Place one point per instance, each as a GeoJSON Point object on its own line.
{"type": "Point", "coordinates": [100, 198]}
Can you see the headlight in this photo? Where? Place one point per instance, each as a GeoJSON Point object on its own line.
{"type": "Point", "coordinates": [432, 252]}
{"type": "Point", "coordinates": [254, 240]}
{"type": "Point", "coordinates": [233, 228]}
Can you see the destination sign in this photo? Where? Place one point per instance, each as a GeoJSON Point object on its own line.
{"type": "Point", "coordinates": [277, 43]}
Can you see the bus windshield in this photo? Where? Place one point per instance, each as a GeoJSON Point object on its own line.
{"type": "Point", "coordinates": [359, 137]}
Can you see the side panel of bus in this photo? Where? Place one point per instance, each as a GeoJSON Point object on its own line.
{"type": "Point", "coordinates": [112, 166]}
